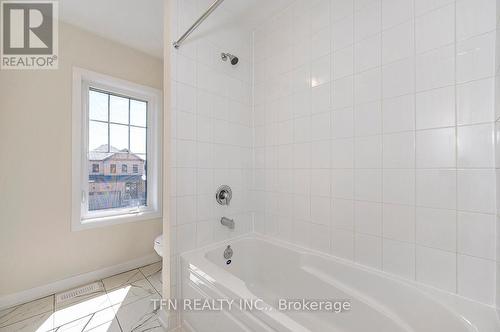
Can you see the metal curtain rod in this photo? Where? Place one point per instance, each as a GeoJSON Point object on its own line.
{"type": "Point", "coordinates": [202, 18]}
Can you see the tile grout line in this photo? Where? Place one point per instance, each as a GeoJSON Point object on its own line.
{"type": "Point", "coordinates": [353, 136]}
{"type": "Point", "coordinates": [456, 142]}
{"type": "Point", "coordinates": [382, 136]}
{"type": "Point", "coordinates": [414, 129]}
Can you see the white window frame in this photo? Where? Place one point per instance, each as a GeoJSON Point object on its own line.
{"type": "Point", "coordinates": [81, 218]}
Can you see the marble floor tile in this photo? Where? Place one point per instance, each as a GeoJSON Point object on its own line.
{"type": "Point", "coordinates": [103, 320]}
{"type": "Point", "coordinates": [122, 279]}
{"type": "Point", "coordinates": [81, 306]}
{"type": "Point", "coordinates": [151, 269]}
{"type": "Point", "coordinates": [153, 274]}
{"type": "Point", "coordinates": [131, 292]}
{"type": "Point", "coordinates": [139, 316]}
{"type": "Point", "coordinates": [26, 310]}
{"type": "Point", "coordinates": [121, 303]}
{"type": "Point", "coordinates": [39, 323]}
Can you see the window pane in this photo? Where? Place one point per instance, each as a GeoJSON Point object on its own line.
{"type": "Point", "coordinates": [118, 109]}
{"type": "Point", "coordinates": [137, 140]}
{"type": "Point", "coordinates": [138, 113]}
{"type": "Point", "coordinates": [98, 136]}
{"type": "Point", "coordinates": [117, 178]}
{"type": "Point", "coordinates": [98, 106]}
{"type": "Point", "coordinates": [118, 137]}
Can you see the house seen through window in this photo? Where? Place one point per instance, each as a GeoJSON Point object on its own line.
{"type": "Point", "coordinates": [117, 134]}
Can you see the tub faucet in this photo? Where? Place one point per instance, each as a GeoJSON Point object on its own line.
{"type": "Point", "coordinates": [227, 222]}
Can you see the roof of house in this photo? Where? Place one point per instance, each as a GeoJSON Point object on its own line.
{"type": "Point", "coordinates": [102, 153]}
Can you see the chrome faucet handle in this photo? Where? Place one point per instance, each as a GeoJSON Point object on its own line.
{"type": "Point", "coordinates": [223, 195]}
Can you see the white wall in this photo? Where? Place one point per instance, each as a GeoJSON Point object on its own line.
{"type": "Point", "coordinates": [374, 136]}
{"type": "Point", "coordinates": [36, 241]}
{"type": "Point", "coordinates": [211, 129]}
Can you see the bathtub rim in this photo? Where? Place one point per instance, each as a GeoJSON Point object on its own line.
{"type": "Point", "coordinates": [477, 313]}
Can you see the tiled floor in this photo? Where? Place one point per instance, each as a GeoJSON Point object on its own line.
{"type": "Point", "coordinates": [121, 303]}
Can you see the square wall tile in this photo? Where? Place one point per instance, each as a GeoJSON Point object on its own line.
{"type": "Point", "coordinates": [436, 148]}
{"type": "Point", "coordinates": [320, 182]}
{"type": "Point", "coordinates": [476, 146]}
{"type": "Point", "coordinates": [399, 186]}
{"type": "Point", "coordinates": [436, 228]}
{"type": "Point", "coordinates": [367, 53]}
{"type": "Point", "coordinates": [437, 268]}
{"type": "Point", "coordinates": [343, 62]}
{"type": "Point", "coordinates": [399, 222]}
{"type": "Point", "coordinates": [341, 9]}
{"type": "Point", "coordinates": [396, 12]}
{"type": "Point", "coordinates": [368, 86]}
{"type": "Point", "coordinates": [476, 278]}
{"type": "Point", "coordinates": [436, 68]}
{"type": "Point", "coordinates": [368, 218]}
{"type": "Point", "coordinates": [399, 114]}
{"type": "Point", "coordinates": [342, 213]}
{"type": "Point", "coordinates": [475, 17]}
{"type": "Point", "coordinates": [368, 119]}
{"type": "Point", "coordinates": [368, 185]}
{"type": "Point", "coordinates": [399, 258]}
{"type": "Point", "coordinates": [342, 243]}
{"type": "Point", "coordinates": [367, 21]}
{"type": "Point", "coordinates": [342, 123]}
{"type": "Point", "coordinates": [476, 102]}
{"type": "Point", "coordinates": [342, 185]}
{"type": "Point", "coordinates": [435, 28]}
{"type": "Point", "coordinates": [398, 41]}
{"type": "Point", "coordinates": [424, 6]}
{"type": "Point", "coordinates": [343, 93]}
{"type": "Point", "coordinates": [436, 108]}
{"type": "Point", "coordinates": [476, 190]}
{"type": "Point", "coordinates": [476, 235]}
{"type": "Point", "coordinates": [399, 150]}
{"type": "Point", "coordinates": [476, 58]}
{"type": "Point", "coordinates": [368, 250]}
{"type": "Point", "coordinates": [320, 210]}
{"type": "Point", "coordinates": [342, 33]}
{"type": "Point", "coordinates": [398, 78]}
{"type": "Point", "coordinates": [342, 153]}
{"type": "Point", "coordinates": [437, 188]}
{"type": "Point", "coordinates": [368, 152]}
{"type": "Point", "coordinates": [320, 238]}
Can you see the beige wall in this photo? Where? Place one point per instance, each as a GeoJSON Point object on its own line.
{"type": "Point", "coordinates": [36, 243]}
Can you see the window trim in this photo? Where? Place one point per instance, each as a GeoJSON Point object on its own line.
{"type": "Point", "coordinates": [82, 80]}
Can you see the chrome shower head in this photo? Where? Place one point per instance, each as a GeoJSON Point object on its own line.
{"type": "Point", "coordinates": [233, 58]}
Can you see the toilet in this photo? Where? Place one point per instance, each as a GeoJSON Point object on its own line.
{"type": "Point", "coordinates": [158, 245]}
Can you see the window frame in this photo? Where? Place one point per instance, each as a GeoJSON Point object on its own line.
{"type": "Point", "coordinates": [81, 218]}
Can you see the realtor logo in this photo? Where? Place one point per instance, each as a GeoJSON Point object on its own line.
{"type": "Point", "coordinates": [29, 34]}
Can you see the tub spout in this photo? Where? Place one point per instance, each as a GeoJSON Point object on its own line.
{"type": "Point", "coordinates": [227, 222]}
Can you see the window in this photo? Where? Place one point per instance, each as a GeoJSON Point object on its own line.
{"type": "Point", "coordinates": [114, 123]}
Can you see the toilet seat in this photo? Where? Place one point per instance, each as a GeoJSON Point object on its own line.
{"type": "Point", "coordinates": [158, 245]}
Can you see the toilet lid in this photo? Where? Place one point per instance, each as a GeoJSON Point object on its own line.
{"type": "Point", "coordinates": [159, 240]}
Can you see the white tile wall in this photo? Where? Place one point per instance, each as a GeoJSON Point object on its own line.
{"type": "Point", "coordinates": [388, 146]}
{"type": "Point", "coordinates": [212, 136]}
{"type": "Point", "coordinates": [360, 128]}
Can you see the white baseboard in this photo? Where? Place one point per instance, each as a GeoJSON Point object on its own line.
{"type": "Point", "coordinates": [75, 281]}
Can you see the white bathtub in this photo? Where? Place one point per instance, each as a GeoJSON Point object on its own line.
{"type": "Point", "coordinates": [268, 269]}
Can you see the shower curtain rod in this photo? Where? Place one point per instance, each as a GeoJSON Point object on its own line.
{"type": "Point", "coordinates": [202, 18]}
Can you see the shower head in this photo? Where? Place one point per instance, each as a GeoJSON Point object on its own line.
{"type": "Point", "coordinates": [233, 58]}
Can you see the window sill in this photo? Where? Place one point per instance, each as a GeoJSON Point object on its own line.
{"type": "Point", "coordinates": [91, 223]}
